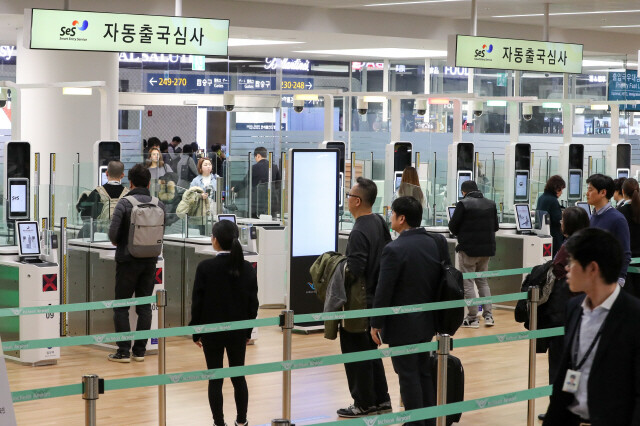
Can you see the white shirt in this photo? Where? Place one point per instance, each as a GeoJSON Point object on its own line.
{"type": "Point", "coordinates": [206, 181]}
{"type": "Point", "coordinates": [592, 320]}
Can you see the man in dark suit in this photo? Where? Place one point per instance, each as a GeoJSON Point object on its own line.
{"type": "Point", "coordinates": [409, 274]}
{"type": "Point", "coordinates": [598, 382]}
{"type": "Point", "coordinates": [259, 179]}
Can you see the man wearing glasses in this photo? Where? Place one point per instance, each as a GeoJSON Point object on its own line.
{"type": "Point", "coordinates": [367, 380]}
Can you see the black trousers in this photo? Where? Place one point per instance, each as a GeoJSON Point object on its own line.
{"type": "Point", "coordinates": [416, 383]}
{"type": "Point", "coordinates": [236, 346]}
{"type": "Point", "coordinates": [366, 379]}
{"type": "Point", "coordinates": [133, 278]}
{"type": "Point", "coordinates": [556, 346]}
{"type": "Point", "coordinates": [632, 284]}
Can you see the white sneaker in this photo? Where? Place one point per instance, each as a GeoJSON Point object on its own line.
{"type": "Point", "coordinates": [470, 324]}
{"type": "Point", "coordinates": [488, 321]}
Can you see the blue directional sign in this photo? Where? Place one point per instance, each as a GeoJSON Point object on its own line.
{"type": "Point", "coordinates": [624, 86]}
{"type": "Point", "coordinates": [256, 83]}
{"type": "Point", "coordinates": [186, 83]}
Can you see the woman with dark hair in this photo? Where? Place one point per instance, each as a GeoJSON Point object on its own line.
{"type": "Point", "coordinates": [225, 289]}
{"type": "Point", "coordinates": [410, 185]}
{"type": "Point", "coordinates": [548, 202]}
{"type": "Point", "coordinates": [552, 312]}
{"type": "Point", "coordinates": [631, 211]}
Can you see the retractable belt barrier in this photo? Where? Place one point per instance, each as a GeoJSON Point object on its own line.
{"type": "Point", "coordinates": [287, 365]}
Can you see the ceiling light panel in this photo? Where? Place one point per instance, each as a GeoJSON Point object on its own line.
{"type": "Point", "coordinates": [402, 3]}
{"type": "Point", "coordinates": [239, 42]}
{"type": "Point", "coordinates": [595, 12]}
{"type": "Point", "coordinates": [390, 52]}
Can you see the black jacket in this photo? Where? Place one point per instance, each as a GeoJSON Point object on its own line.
{"type": "Point", "coordinates": [220, 297]}
{"type": "Point", "coordinates": [634, 229]}
{"type": "Point", "coordinates": [259, 179]}
{"type": "Point", "coordinates": [409, 274]}
{"type": "Point", "coordinates": [548, 202]}
{"type": "Point", "coordinates": [475, 223]}
{"type": "Point", "coordinates": [614, 381]}
{"type": "Point", "coordinates": [119, 228]}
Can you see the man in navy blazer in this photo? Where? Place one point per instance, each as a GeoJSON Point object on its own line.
{"type": "Point", "coordinates": [409, 274]}
{"type": "Point", "coordinates": [598, 382]}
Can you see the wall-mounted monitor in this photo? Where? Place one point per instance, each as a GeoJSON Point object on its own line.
{"type": "Point", "coordinates": [463, 177]}
{"type": "Point", "coordinates": [584, 205]}
{"type": "Point", "coordinates": [18, 199]}
{"type": "Point", "coordinates": [522, 185]}
{"type": "Point", "coordinates": [28, 239]}
{"type": "Point", "coordinates": [575, 184]}
{"type": "Point", "coordinates": [523, 217]}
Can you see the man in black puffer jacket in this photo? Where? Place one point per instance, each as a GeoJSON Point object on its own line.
{"type": "Point", "coordinates": [475, 223]}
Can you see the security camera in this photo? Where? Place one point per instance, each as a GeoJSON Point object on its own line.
{"type": "Point", "coordinates": [477, 108]}
{"type": "Point", "coordinates": [363, 106]}
{"type": "Point", "coordinates": [527, 112]}
{"type": "Point", "coordinates": [229, 101]}
{"type": "Point", "coordinates": [298, 105]}
{"type": "Point", "coordinates": [421, 106]}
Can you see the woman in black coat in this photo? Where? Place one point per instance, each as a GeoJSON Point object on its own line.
{"type": "Point", "coordinates": [548, 202]}
{"type": "Point", "coordinates": [631, 211]}
{"type": "Point", "coordinates": [225, 289]}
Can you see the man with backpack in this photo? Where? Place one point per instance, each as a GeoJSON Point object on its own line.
{"type": "Point", "coordinates": [415, 253]}
{"type": "Point", "coordinates": [137, 229]}
{"type": "Point", "coordinates": [186, 168]}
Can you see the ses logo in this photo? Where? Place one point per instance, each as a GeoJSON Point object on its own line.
{"type": "Point", "coordinates": [485, 49]}
{"type": "Point", "coordinates": [72, 31]}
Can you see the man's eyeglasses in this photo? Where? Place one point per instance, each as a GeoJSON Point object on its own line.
{"type": "Point", "coordinates": [354, 196]}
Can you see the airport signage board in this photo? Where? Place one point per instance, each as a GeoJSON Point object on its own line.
{"type": "Point", "coordinates": [624, 86]}
{"type": "Point", "coordinates": [514, 54]}
{"type": "Point", "coordinates": [118, 32]}
{"type": "Point", "coordinates": [186, 83]}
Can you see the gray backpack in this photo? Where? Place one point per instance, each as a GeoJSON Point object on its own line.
{"type": "Point", "coordinates": [146, 229]}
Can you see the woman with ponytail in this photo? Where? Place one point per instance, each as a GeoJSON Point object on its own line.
{"type": "Point", "coordinates": [631, 211]}
{"type": "Point", "coordinates": [225, 289]}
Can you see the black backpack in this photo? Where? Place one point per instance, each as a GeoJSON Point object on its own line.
{"type": "Point", "coordinates": [538, 277]}
{"type": "Point", "coordinates": [186, 173]}
{"type": "Point", "coordinates": [451, 288]}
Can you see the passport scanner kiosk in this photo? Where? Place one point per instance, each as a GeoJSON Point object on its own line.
{"type": "Point", "coordinates": [103, 152]}
{"type": "Point", "coordinates": [459, 170]}
{"type": "Point", "coordinates": [397, 157]}
{"type": "Point", "coordinates": [618, 164]}
{"type": "Point", "coordinates": [29, 277]}
{"type": "Point", "coordinates": [17, 166]}
{"type": "Point", "coordinates": [518, 162]}
{"type": "Point", "coordinates": [571, 168]}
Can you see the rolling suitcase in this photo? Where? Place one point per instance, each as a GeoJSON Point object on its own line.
{"type": "Point", "coordinates": [455, 382]}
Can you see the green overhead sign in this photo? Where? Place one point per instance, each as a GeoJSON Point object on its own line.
{"type": "Point", "coordinates": [117, 32]}
{"type": "Point", "coordinates": [513, 54]}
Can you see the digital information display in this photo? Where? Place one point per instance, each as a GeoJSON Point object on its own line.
{"type": "Point", "coordinates": [523, 216]}
{"type": "Point", "coordinates": [29, 243]}
{"type": "Point", "coordinates": [119, 32]}
{"type": "Point", "coordinates": [314, 202]}
{"type": "Point", "coordinates": [103, 175]}
{"type": "Point", "coordinates": [575, 183]}
{"type": "Point", "coordinates": [18, 198]}
{"type": "Point", "coordinates": [522, 185]}
{"type": "Point", "coordinates": [398, 181]}
{"type": "Point", "coordinates": [515, 54]}
{"type": "Point", "coordinates": [462, 177]}
{"type": "Point", "coordinates": [623, 173]}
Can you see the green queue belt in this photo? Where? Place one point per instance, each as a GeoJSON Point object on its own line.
{"type": "Point", "coordinates": [272, 367]}
{"type": "Point", "coordinates": [77, 307]}
{"type": "Point", "coordinates": [241, 325]}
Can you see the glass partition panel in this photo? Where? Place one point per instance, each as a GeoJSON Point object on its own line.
{"type": "Point", "coordinates": [240, 187]}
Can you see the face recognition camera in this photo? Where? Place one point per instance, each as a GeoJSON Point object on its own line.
{"type": "Point", "coordinates": [229, 101]}
{"type": "Point", "coordinates": [363, 106]}
{"type": "Point", "coordinates": [477, 108]}
{"type": "Point", "coordinates": [421, 106]}
{"type": "Point", "coordinates": [298, 105]}
{"type": "Point", "coordinates": [527, 112]}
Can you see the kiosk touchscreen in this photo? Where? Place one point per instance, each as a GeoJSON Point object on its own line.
{"type": "Point", "coordinates": [522, 185]}
{"type": "Point", "coordinates": [575, 184]}
{"type": "Point", "coordinates": [523, 219]}
{"type": "Point", "coordinates": [462, 177]}
{"type": "Point", "coordinates": [18, 198]}
{"type": "Point", "coordinates": [623, 173]}
{"type": "Point", "coordinates": [231, 217]}
{"type": "Point", "coordinates": [28, 241]}
{"type": "Point", "coordinates": [103, 175]}
{"type": "Point", "coordinates": [584, 205]}
{"type": "Point", "coordinates": [450, 211]}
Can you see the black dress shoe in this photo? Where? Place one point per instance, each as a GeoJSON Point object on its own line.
{"type": "Point", "coordinates": [541, 416]}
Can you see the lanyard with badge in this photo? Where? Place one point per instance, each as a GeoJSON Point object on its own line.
{"type": "Point", "coordinates": [572, 378]}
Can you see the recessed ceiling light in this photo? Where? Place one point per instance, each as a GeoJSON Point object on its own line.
{"type": "Point", "coordinates": [620, 26]}
{"type": "Point", "coordinates": [595, 12]}
{"type": "Point", "coordinates": [385, 52]}
{"type": "Point", "coordinates": [236, 42]}
{"type": "Point", "coordinates": [411, 2]}
{"type": "Point", "coordinates": [597, 63]}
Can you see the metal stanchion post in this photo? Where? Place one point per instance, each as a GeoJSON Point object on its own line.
{"type": "Point", "coordinates": [534, 299]}
{"type": "Point", "coordinates": [161, 301]}
{"type": "Point", "coordinates": [286, 322]}
{"type": "Point", "coordinates": [280, 422]}
{"type": "Point", "coordinates": [90, 393]}
{"type": "Point", "coordinates": [444, 346]}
